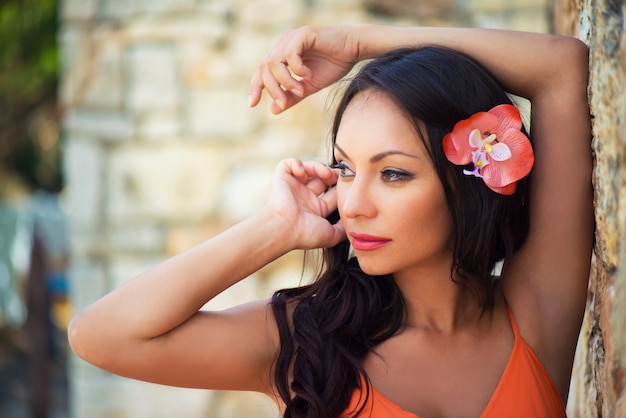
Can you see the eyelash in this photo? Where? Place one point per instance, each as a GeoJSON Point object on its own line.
{"type": "Point", "coordinates": [396, 175]}
{"type": "Point", "coordinates": [388, 175]}
{"type": "Point", "coordinates": [341, 166]}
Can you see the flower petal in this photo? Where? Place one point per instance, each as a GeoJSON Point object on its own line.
{"type": "Point", "coordinates": [484, 121]}
{"type": "Point", "coordinates": [476, 139]}
{"type": "Point", "coordinates": [459, 156]}
{"type": "Point", "coordinates": [456, 144]}
{"type": "Point", "coordinates": [502, 173]}
{"type": "Point", "coordinates": [500, 152]}
{"type": "Point", "coordinates": [509, 189]}
{"type": "Point", "coordinates": [508, 118]}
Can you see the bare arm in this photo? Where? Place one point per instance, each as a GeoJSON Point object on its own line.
{"type": "Point", "coordinates": [151, 328]}
{"type": "Point", "coordinates": [546, 282]}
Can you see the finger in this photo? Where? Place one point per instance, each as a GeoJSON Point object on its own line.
{"type": "Point", "coordinates": [316, 185]}
{"type": "Point", "coordinates": [293, 58]}
{"type": "Point", "coordinates": [329, 202]}
{"type": "Point", "coordinates": [289, 101]}
{"type": "Point", "coordinates": [281, 85]}
{"type": "Point", "coordinates": [340, 233]}
{"type": "Point", "coordinates": [255, 89]}
{"type": "Point", "coordinates": [296, 169]}
{"type": "Point", "coordinates": [327, 174]}
{"type": "Point", "coordinates": [280, 70]}
{"type": "Point", "coordinates": [337, 235]}
{"type": "Point", "coordinates": [316, 169]}
{"type": "Point", "coordinates": [273, 88]}
{"type": "Point", "coordinates": [275, 108]}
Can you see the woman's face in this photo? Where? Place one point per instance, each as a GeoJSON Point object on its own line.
{"type": "Point", "coordinates": [389, 196]}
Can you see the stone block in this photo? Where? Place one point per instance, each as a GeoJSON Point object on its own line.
{"type": "Point", "coordinates": [271, 14]}
{"type": "Point", "coordinates": [141, 399]}
{"type": "Point", "coordinates": [100, 124]}
{"type": "Point", "coordinates": [528, 19]}
{"type": "Point", "coordinates": [316, 112]}
{"type": "Point", "coordinates": [119, 9]}
{"type": "Point", "coordinates": [166, 6]}
{"type": "Point", "coordinates": [93, 392]}
{"type": "Point", "coordinates": [221, 9]}
{"type": "Point", "coordinates": [103, 82]}
{"type": "Point", "coordinates": [75, 46]}
{"type": "Point", "coordinates": [277, 142]}
{"type": "Point", "coordinates": [284, 273]}
{"type": "Point", "coordinates": [201, 66]}
{"type": "Point", "coordinates": [99, 394]}
{"type": "Point", "coordinates": [220, 113]}
{"type": "Point", "coordinates": [230, 404]}
{"type": "Point", "coordinates": [140, 239]}
{"type": "Point", "coordinates": [345, 7]}
{"type": "Point", "coordinates": [478, 6]}
{"type": "Point", "coordinates": [245, 291]}
{"type": "Point", "coordinates": [244, 190]}
{"type": "Point", "coordinates": [83, 166]}
{"type": "Point", "coordinates": [167, 29]}
{"type": "Point", "coordinates": [181, 237]}
{"type": "Point", "coordinates": [418, 9]}
{"type": "Point", "coordinates": [88, 280]}
{"type": "Point", "coordinates": [171, 182]}
{"type": "Point", "coordinates": [159, 124]}
{"type": "Point", "coordinates": [335, 14]}
{"type": "Point", "coordinates": [78, 9]}
{"type": "Point", "coordinates": [124, 266]}
{"type": "Point", "coordinates": [153, 81]}
{"type": "Point", "coordinates": [246, 49]}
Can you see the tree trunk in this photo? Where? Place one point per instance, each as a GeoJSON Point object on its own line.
{"type": "Point", "coordinates": [598, 381]}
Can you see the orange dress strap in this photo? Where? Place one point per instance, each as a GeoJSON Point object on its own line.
{"type": "Point", "coordinates": [373, 404]}
{"type": "Point", "coordinates": [525, 389]}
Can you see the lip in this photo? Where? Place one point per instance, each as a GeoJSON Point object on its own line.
{"type": "Point", "coordinates": [364, 242]}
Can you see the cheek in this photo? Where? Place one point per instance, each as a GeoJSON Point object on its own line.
{"type": "Point", "coordinates": [430, 219]}
{"type": "Point", "coordinates": [442, 227]}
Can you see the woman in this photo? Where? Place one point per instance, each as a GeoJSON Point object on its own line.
{"type": "Point", "coordinates": [431, 187]}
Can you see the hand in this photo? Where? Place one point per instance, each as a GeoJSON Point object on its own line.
{"type": "Point", "coordinates": [304, 61]}
{"type": "Point", "coordinates": [300, 195]}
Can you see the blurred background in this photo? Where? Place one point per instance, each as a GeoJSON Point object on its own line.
{"type": "Point", "coordinates": [125, 137]}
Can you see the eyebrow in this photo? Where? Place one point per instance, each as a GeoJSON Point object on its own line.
{"type": "Point", "coordinates": [377, 157]}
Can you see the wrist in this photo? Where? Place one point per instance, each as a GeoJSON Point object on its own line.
{"type": "Point", "coordinates": [278, 230]}
{"type": "Point", "coordinates": [365, 42]}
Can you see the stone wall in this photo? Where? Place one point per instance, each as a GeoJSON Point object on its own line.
{"type": "Point", "coordinates": [161, 150]}
{"type": "Point", "coordinates": [599, 379]}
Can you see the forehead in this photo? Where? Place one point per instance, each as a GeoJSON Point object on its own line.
{"type": "Point", "coordinates": [373, 121]}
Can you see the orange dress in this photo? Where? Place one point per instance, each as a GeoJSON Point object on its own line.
{"type": "Point", "coordinates": [525, 390]}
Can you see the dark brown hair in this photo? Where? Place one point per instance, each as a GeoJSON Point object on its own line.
{"type": "Point", "coordinates": [345, 313]}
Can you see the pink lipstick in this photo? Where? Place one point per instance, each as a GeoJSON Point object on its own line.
{"type": "Point", "coordinates": [364, 242]}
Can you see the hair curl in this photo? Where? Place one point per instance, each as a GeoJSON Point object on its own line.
{"type": "Point", "coordinates": [344, 314]}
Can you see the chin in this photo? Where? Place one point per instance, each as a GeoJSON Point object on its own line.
{"type": "Point", "coordinates": [373, 269]}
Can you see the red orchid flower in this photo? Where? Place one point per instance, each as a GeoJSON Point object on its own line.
{"type": "Point", "coordinates": [493, 142]}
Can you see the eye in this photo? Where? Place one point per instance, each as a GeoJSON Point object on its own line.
{"type": "Point", "coordinates": [395, 175]}
{"type": "Point", "coordinates": [345, 171]}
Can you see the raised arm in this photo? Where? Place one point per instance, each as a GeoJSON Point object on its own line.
{"type": "Point", "coordinates": [546, 282]}
{"type": "Point", "coordinates": [151, 328]}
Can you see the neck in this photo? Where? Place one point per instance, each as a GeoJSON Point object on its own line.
{"type": "Point", "coordinates": [435, 303]}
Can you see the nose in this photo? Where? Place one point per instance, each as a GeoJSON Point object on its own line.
{"type": "Point", "coordinates": [356, 198]}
